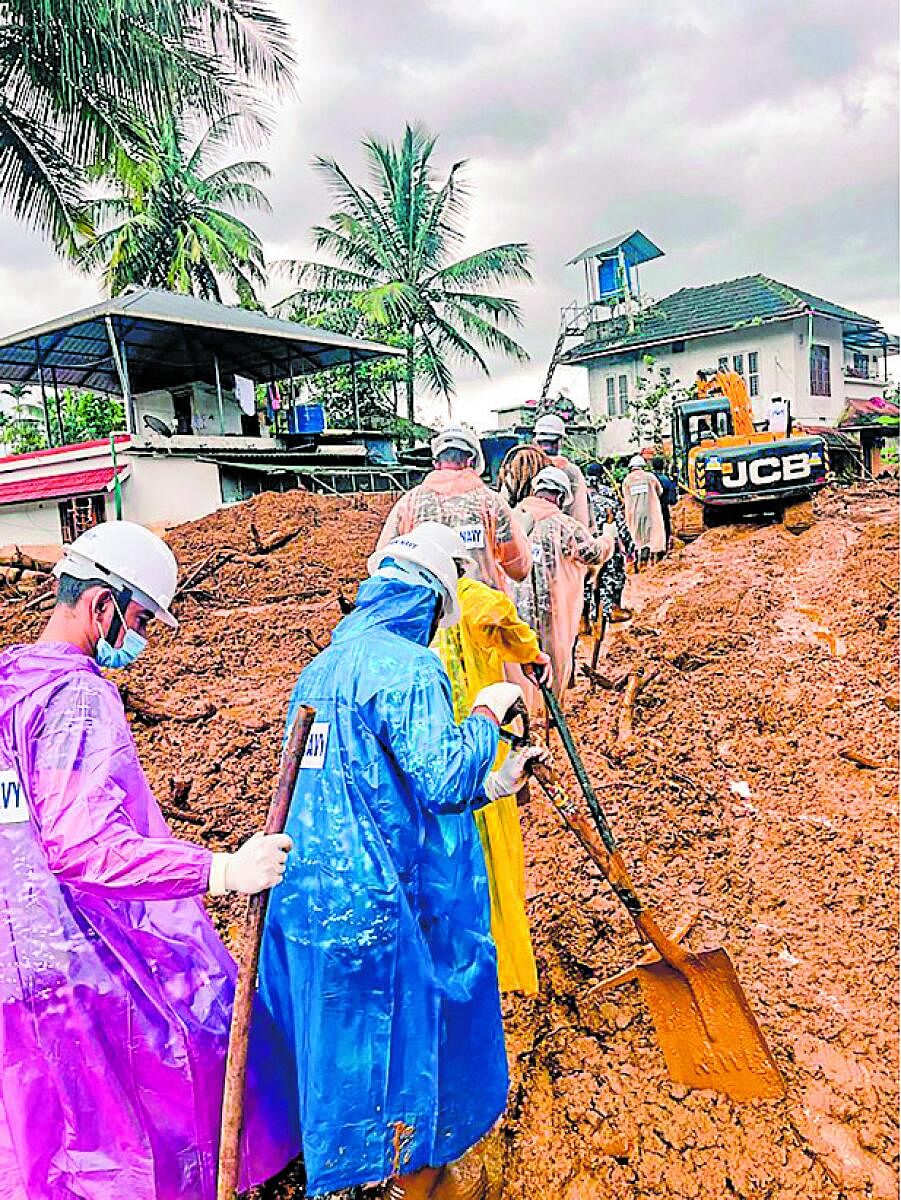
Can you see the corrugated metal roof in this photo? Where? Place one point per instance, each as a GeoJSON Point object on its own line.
{"type": "Point", "coordinates": [635, 246]}
{"type": "Point", "coordinates": [172, 340]}
{"type": "Point", "coordinates": [58, 487]}
{"type": "Point", "coordinates": [717, 307]}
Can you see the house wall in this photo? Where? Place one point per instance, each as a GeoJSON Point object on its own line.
{"type": "Point", "coordinates": [30, 524]}
{"type": "Point", "coordinates": [166, 490]}
{"type": "Point", "coordinates": [159, 490]}
{"type": "Point", "coordinates": [819, 410]}
{"type": "Point", "coordinates": [204, 405]}
{"type": "Point", "coordinates": [783, 355]}
{"type": "Point", "coordinates": [774, 345]}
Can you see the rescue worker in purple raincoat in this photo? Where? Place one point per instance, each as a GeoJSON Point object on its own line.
{"type": "Point", "coordinates": [115, 990]}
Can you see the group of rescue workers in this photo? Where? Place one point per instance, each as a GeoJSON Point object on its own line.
{"type": "Point", "coordinates": [377, 1047]}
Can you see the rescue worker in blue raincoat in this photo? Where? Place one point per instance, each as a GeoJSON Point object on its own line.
{"type": "Point", "coordinates": [377, 959]}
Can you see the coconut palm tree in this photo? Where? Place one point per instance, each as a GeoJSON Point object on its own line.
{"type": "Point", "coordinates": [172, 224]}
{"type": "Point", "coordinates": [394, 244]}
{"type": "Point", "coordinates": [73, 73]}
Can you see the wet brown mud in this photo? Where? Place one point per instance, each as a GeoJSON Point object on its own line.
{"type": "Point", "coordinates": [753, 788]}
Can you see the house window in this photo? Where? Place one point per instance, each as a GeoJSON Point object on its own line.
{"type": "Point", "coordinates": [861, 366]}
{"type": "Point", "coordinates": [738, 364]}
{"type": "Point", "coordinates": [819, 371]}
{"type": "Point", "coordinates": [723, 364]}
{"type": "Point", "coordinates": [678, 347]}
{"type": "Point", "coordinates": [753, 373]}
{"type": "Point", "coordinates": [611, 396]}
{"type": "Point", "coordinates": [623, 395]}
{"type": "Point", "coordinates": [79, 513]}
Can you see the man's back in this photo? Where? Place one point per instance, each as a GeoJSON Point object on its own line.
{"type": "Point", "coordinates": [460, 500]}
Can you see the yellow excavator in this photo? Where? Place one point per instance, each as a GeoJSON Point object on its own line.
{"type": "Point", "coordinates": [723, 462]}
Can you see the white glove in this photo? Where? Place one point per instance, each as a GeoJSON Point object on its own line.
{"type": "Point", "coordinates": [500, 699]}
{"type": "Point", "coordinates": [257, 865]}
{"type": "Point", "coordinates": [511, 774]}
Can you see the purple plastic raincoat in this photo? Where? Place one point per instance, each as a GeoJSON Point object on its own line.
{"type": "Point", "coordinates": [115, 990]}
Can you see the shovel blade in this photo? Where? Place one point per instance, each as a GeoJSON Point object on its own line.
{"type": "Point", "coordinates": [706, 1029]}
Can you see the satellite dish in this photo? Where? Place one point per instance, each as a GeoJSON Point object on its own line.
{"type": "Point", "coordinates": [157, 426]}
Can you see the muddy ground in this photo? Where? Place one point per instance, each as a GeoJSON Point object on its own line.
{"type": "Point", "coordinates": [757, 793]}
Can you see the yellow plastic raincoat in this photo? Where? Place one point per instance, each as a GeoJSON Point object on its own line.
{"type": "Point", "coordinates": [490, 634]}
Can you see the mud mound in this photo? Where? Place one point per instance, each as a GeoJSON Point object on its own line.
{"type": "Point", "coordinates": [770, 664]}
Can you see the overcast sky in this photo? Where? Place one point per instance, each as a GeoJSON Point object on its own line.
{"type": "Point", "coordinates": [740, 135]}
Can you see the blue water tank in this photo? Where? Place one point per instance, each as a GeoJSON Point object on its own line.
{"type": "Point", "coordinates": [306, 418]}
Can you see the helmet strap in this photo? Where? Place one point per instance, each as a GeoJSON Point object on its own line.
{"type": "Point", "coordinates": [122, 601]}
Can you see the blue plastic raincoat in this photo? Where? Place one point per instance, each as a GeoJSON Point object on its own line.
{"type": "Point", "coordinates": [377, 959]}
{"type": "Point", "coordinates": [115, 990]}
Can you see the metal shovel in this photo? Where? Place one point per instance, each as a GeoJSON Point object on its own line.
{"type": "Point", "coordinates": [704, 1023]}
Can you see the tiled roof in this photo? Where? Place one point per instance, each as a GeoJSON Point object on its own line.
{"type": "Point", "coordinates": [750, 300]}
{"type": "Point", "coordinates": [57, 487]}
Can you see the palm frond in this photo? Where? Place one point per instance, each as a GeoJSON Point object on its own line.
{"type": "Point", "coordinates": [486, 332]}
{"type": "Point", "coordinates": [37, 182]}
{"type": "Point", "coordinates": [505, 262]}
{"type": "Point", "coordinates": [496, 308]}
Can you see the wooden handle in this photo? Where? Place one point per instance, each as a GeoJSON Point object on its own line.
{"type": "Point", "coordinates": [236, 1063]}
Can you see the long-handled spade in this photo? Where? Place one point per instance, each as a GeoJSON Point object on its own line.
{"type": "Point", "coordinates": [708, 1034]}
{"type": "Point", "coordinates": [236, 1063]}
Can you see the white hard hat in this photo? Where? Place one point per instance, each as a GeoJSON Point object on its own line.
{"type": "Point", "coordinates": [550, 426]}
{"type": "Point", "coordinates": [458, 438]}
{"type": "Point", "coordinates": [436, 550]}
{"type": "Point", "coordinates": [637, 462]}
{"type": "Point", "coordinates": [451, 540]}
{"type": "Point", "coordinates": [552, 479]}
{"type": "Point", "coordinates": [125, 555]}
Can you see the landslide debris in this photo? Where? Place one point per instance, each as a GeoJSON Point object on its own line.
{"type": "Point", "coordinates": [756, 789]}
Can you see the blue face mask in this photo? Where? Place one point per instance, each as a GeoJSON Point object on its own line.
{"type": "Point", "coordinates": [119, 656]}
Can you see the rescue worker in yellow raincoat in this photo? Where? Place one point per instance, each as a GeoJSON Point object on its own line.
{"type": "Point", "coordinates": [490, 634]}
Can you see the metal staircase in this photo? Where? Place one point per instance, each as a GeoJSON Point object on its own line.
{"type": "Point", "coordinates": [574, 320]}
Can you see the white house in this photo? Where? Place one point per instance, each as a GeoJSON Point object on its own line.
{"type": "Point", "coordinates": [817, 354]}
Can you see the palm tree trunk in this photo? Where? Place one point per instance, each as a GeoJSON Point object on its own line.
{"type": "Point", "coordinates": [411, 351]}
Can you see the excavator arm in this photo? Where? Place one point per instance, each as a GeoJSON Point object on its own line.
{"type": "Point", "coordinates": [734, 388]}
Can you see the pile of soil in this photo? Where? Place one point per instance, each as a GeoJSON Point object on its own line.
{"type": "Point", "coordinates": [757, 790]}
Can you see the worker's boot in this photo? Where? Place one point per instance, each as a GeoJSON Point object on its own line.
{"type": "Point", "coordinates": [418, 1185]}
{"type": "Point", "coordinates": [617, 614]}
{"type": "Point", "coordinates": [459, 1182]}
{"type": "Point", "coordinates": [443, 1183]}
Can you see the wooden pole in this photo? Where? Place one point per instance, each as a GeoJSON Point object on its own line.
{"type": "Point", "coordinates": [236, 1063]}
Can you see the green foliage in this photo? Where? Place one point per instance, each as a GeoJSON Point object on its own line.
{"type": "Point", "coordinates": [168, 226]}
{"type": "Point", "coordinates": [88, 417]}
{"type": "Point", "coordinates": [651, 407]}
{"type": "Point", "coordinates": [21, 435]}
{"type": "Point", "coordinates": [20, 430]}
{"type": "Point", "coordinates": [378, 380]}
{"type": "Point", "coordinates": [75, 75]}
{"type": "Point", "coordinates": [563, 406]}
{"type": "Point", "coordinates": [393, 243]}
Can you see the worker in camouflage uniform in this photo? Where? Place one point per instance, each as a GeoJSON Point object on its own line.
{"type": "Point", "coordinates": [607, 508]}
